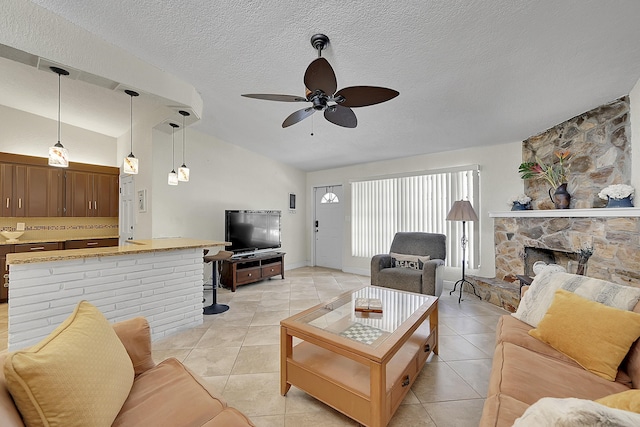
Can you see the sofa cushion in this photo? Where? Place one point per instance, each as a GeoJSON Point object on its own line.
{"type": "Point", "coordinates": [537, 299]}
{"type": "Point", "coordinates": [589, 332]}
{"type": "Point", "coordinates": [574, 412]}
{"type": "Point", "coordinates": [160, 395]}
{"type": "Point", "coordinates": [528, 376]}
{"type": "Point", "coordinates": [632, 363]}
{"type": "Point", "coordinates": [414, 262]}
{"type": "Point", "coordinates": [80, 375]}
{"type": "Point", "coordinates": [135, 335]}
{"type": "Point", "coordinates": [501, 410]}
{"type": "Point", "coordinates": [512, 330]}
{"type": "Point", "coordinates": [627, 400]}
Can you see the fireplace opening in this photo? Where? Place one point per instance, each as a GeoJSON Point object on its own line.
{"type": "Point", "coordinates": [548, 256]}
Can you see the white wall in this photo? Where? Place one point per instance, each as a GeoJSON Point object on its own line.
{"type": "Point", "coordinates": [224, 176]}
{"type": "Point", "coordinates": [499, 180]}
{"type": "Point", "coordinates": [32, 135]}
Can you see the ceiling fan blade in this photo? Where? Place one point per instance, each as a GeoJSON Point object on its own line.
{"type": "Point", "coordinates": [362, 96]}
{"type": "Point", "coordinates": [298, 116]}
{"type": "Point", "coordinates": [320, 75]}
{"type": "Point", "coordinates": [274, 97]}
{"type": "Point", "coordinates": [341, 116]}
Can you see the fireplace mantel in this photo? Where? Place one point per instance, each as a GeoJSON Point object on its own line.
{"type": "Point", "coordinates": [569, 213]}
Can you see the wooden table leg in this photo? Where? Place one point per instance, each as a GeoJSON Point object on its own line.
{"type": "Point", "coordinates": [378, 387]}
{"type": "Point", "coordinates": [286, 351]}
{"type": "Point", "coordinates": [433, 320]}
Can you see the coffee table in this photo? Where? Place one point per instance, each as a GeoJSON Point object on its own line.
{"type": "Point", "coordinates": [361, 364]}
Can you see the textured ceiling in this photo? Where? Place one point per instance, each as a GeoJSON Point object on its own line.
{"type": "Point", "coordinates": [469, 73]}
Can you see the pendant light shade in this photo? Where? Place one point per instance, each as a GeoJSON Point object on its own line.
{"type": "Point", "coordinates": [173, 176]}
{"type": "Point", "coordinates": [58, 155]}
{"type": "Point", "coordinates": [183, 171]}
{"type": "Point", "coordinates": [130, 164]}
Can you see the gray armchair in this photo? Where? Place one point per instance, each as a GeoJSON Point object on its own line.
{"type": "Point", "coordinates": [428, 280]}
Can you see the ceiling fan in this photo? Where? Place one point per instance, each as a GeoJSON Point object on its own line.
{"type": "Point", "coordinates": [320, 83]}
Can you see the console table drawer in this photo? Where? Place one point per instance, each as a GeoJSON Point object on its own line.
{"type": "Point", "coordinates": [248, 275]}
{"type": "Point", "coordinates": [271, 269]}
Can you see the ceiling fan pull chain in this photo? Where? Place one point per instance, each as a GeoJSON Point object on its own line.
{"type": "Point", "coordinates": [311, 125]}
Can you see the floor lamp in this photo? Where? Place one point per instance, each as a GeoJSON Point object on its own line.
{"type": "Point", "coordinates": [462, 211]}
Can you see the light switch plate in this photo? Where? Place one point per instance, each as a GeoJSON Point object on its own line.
{"type": "Point", "coordinates": [20, 226]}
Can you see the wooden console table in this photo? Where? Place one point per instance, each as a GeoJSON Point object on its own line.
{"type": "Point", "coordinates": [251, 269]}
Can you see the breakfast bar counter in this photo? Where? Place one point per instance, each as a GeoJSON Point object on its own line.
{"type": "Point", "coordinates": [160, 279]}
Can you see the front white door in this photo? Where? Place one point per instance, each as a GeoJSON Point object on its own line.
{"type": "Point", "coordinates": [127, 206]}
{"type": "Point", "coordinates": [328, 226]}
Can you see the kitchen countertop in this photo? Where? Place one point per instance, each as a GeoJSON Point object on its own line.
{"type": "Point", "coordinates": [129, 248]}
{"type": "Point", "coordinates": [56, 239]}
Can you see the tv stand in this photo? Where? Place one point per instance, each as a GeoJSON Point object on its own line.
{"type": "Point", "coordinates": [251, 269]}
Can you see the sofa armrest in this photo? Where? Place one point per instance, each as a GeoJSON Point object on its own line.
{"type": "Point", "coordinates": [432, 277]}
{"type": "Point", "coordinates": [135, 335]}
{"type": "Point", "coordinates": [378, 263]}
{"type": "Point", "coordinates": [9, 415]}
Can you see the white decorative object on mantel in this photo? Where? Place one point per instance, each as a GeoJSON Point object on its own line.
{"type": "Point", "coordinates": [569, 213]}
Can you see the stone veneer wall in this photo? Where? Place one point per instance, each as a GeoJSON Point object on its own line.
{"type": "Point", "coordinates": [599, 141]}
{"type": "Point", "coordinates": [615, 240]}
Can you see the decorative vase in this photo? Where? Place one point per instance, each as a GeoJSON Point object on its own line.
{"type": "Point", "coordinates": [561, 198]}
{"type": "Point", "coordinates": [620, 203]}
{"type": "Point", "coordinates": [517, 206]}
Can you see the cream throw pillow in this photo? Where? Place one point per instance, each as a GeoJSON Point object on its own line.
{"type": "Point", "coordinates": [80, 375]}
{"type": "Point", "coordinates": [537, 299]}
{"type": "Point", "coordinates": [415, 262]}
{"type": "Point", "coordinates": [551, 411]}
{"type": "Point", "coordinates": [596, 336]}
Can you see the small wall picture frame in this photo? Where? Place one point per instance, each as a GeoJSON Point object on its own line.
{"type": "Point", "coordinates": [292, 201]}
{"type": "Point", "coordinates": [142, 200]}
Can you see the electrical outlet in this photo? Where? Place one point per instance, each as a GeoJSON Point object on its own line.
{"type": "Point", "coordinates": [20, 226]}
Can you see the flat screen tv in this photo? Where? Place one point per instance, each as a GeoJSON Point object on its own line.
{"type": "Point", "coordinates": [252, 230]}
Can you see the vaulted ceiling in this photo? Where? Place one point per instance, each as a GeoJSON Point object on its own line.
{"type": "Point", "coordinates": [469, 73]}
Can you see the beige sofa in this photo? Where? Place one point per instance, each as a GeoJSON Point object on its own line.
{"type": "Point", "coordinates": [526, 370]}
{"type": "Point", "coordinates": [166, 394]}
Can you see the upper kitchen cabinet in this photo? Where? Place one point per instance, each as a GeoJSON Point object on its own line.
{"type": "Point", "coordinates": [91, 194]}
{"type": "Point", "coordinates": [31, 188]}
{"type": "Point", "coordinates": [31, 191]}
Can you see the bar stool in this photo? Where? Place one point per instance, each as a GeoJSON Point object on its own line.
{"type": "Point", "coordinates": [216, 308]}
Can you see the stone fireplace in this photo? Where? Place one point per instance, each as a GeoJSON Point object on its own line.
{"type": "Point", "coordinates": [614, 235]}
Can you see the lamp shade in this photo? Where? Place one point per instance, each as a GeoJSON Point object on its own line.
{"type": "Point", "coordinates": [58, 156]}
{"type": "Point", "coordinates": [130, 164]}
{"type": "Point", "coordinates": [462, 211]}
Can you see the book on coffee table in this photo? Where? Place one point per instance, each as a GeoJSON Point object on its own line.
{"type": "Point", "coordinates": [369, 305]}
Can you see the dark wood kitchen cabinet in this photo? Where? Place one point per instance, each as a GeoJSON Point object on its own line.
{"type": "Point", "coordinates": [31, 191]}
{"type": "Point", "coordinates": [91, 194]}
{"type": "Point", "coordinates": [29, 187]}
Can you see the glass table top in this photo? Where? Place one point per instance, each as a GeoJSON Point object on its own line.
{"type": "Point", "coordinates": [341, 318]}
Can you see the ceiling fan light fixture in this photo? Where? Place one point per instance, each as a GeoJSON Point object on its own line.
{"type": "Point", "coordinates": [58, 155]}
{"type": "Point", "coordinates": [320, 89]}
{"type": "Point", "coordinates": [130, 164]}
{"type": "Point", "coordinates": [173, 176]}
{"type": "Point", "coordinates": [183, 171]}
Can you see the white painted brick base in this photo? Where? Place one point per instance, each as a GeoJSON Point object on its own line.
{"type": "Point", "coordinates": [165, 287]}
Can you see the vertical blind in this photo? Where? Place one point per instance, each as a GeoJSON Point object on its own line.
{"type": "Point", "coordinates": [382, 207]}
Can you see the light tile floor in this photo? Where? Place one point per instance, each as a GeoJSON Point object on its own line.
{"type": "Point", "coordinates": [238, 352]}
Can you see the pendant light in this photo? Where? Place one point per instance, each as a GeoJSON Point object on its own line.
{"type": "Point", "coordinates": [58, 155]}
{"type": "Point", "coordinates": [130, 164]}
{"type": "Point", "coordinates": [173, 176]}
{"type": "Point", "coordinates": [183, 171]}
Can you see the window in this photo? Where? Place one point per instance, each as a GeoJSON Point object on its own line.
{"type": "Point", "coordinates": [381, 207]}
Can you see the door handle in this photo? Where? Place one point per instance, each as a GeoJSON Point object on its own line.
{"type": "Point", "coordinates": [7, 203]}
{"type": "Point", "coordinates": [405, 381]}
{"type": "Point", "coordinates": [20, 203]}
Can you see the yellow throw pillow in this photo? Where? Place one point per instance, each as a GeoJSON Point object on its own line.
{"type": "Point", "coordinates": [596, 336]}
{"type": "Point", "coordinates": [80, 375]}
{"type": "Point", "coordinates": [627, 400]}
